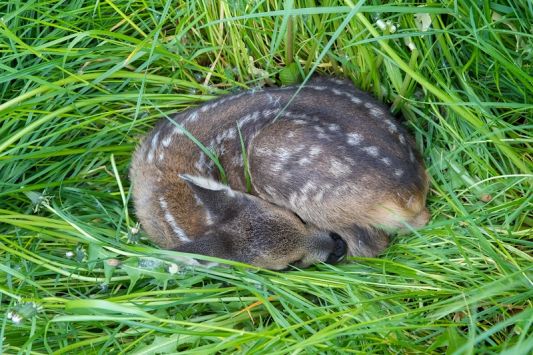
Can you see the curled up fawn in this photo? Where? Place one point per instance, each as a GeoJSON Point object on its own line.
{"type": "Point", "coordinates": [332, 173]}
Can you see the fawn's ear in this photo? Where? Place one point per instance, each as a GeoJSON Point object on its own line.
{"type": "Point", "coordinates": [218, 199]}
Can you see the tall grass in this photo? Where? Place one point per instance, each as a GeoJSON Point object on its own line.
{"type": "Point", "coordinates": [80, 81]}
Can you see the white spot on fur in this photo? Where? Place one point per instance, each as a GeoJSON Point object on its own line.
{"type": "Point", "coordinates": [411, 156]}
{"type": "Point", "coordinates": [237, 96]}
{"type": "Point", "coordinates": [197, 200]}
{"type": "Point", "coordinates": [232, 133]}
{"type": "Point", "coordinates": [353, 138]}
{"type": "Point", "coordinates": [272, 112]}
{"type": "Point", "coordinates": [150, 156]}
{"type": "Point", "coordinates": [263, 151]}
{"type": "Point", "coordinates": [221, 150]}
{"type": "Point", "coordinates": [323, 136]}
{"type": "Point", "coordinates": [283, 154]}
{"type": "Point", "coordinates": [333, 127]}
{"type": "Point", "coordinates": [402, 138]}
{"type": "Point", "coordinates": [298, 199]}
{"type": "Point", "coordinates": [208, 217]}
{"type": "Point", "coordinates": [161, 156]}
{"type": "Point", "coordinates": [237, 160]}
{"type": "Point", "coordinates": [372, 151]}
{"type": "Point", "coordinates": [392, 127]}
{"type": "Point", "coordinates": [386, 161]}
{"type": "Point", "coordinates": [290, 135]}
{"type": "Point", "coordinates": [296, 116]}
{"type": "Point", "coordinates": [315, 150]}
{"type": "Point", "coordinates": [269, 190]}
{"type": "Point", "coordinates": [338, 92]}
{"type": "Point", "coordinates": [153, 147]}
{"type": "Point", "coordinates": [193, 116]}
{"type": "Point", "coordinates": [154, 141]}
{"type": "Point", "coordinates": [277, 166]}
{"type": "Point", "coordinates": [273, 99]}
{"type": "Point", "coordinates": [349, 160]}
{"type": "Point", "coordinates": [293, 197]}
{"type": "Point", "coordinates": [398, 172]}
{"type": "Point", "coordinates": [285, 177]}
{"type": "Point", "coordinates": [172, 222]}
{"type": "Point", "coordinates": [344, 189]}
{"type": "Point", "coordinates": [376, 112]}
{"type": "Point", "coordinates": [304, 161]}
{"type": "Point", "coordinates": [251, 117]}
{"type": "Point", "coordinates": [166, 141]}
{"type": "Point", "coordinates": [309, 186]}
{"type": "Point", "coordinates": [319, 196]}
{"type": "Point", "coordinates": [208, 107]}
{"type": "Point", "coordinates": [206, 183]}
{"type": "Point", "coordinates": [200, 164]}
{"type": "Point", "coordinates": [177, 130]}
{"type": "Point", "coordinates": [228, 134]}
{"type": "Point", "coordinates": [338, 169]}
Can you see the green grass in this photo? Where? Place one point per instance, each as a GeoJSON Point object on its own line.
{"type": "Point", "coordinates": [81, 81]}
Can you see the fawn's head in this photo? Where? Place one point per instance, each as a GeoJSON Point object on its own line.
{"type": "Point", "coordinates": [248, 229]}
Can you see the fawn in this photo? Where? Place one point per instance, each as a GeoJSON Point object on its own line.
{"type": "Point", "coordinates": [332, 173]}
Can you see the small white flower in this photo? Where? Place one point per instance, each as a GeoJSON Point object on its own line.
{"type": "Point", "coordinates": [9, 315]}
{"type": "Point", "coordinates": [173, 269]}
{"type": "Point", "coordinates": [381, 24]}
{"type": "Point", "coordinates": [386, 26]}
{"type": "Point", "coordinates": [69, 254]}
{"type": "Point", "coordinates": [409, 43]}
{"type": "Point", "coordinates": [423, 21]}
{"type": "Point", "coordinates": [134, 230]}
{"type": "Point", "coordinates": [15, 318]}
{"type": "Point", "coordinates": [391, 26]}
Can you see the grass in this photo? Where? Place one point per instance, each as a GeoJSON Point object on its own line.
{"type": "Point", "coordinates": [81, 81]}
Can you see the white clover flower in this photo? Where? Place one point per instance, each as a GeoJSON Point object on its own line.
{"type": "Point", "coordinates": [381, 24]}
{"type": "Point", "coordinates": [391, 27]}
{"type": "Point", "coordinates": [423, 21]}
{"type": "Point", "coordinates": [23, 310]}
{"type": "Point", "coordinates": [386, 26]}
{"type": "Point", "coordinates": [173, 269]}
{"type": "Point", "coordinates": [409, 43]}
{"type": "Point", "coordinates": [15, 318]}
{"type": "Point", "coordinates": [69, 254]}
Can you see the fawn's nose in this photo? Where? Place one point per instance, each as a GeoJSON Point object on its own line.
{"type": "Point", "coordinates": [339, 249]}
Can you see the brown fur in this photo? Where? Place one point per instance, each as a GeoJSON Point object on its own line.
{"type": "Point", "coordinates": [333, 157]}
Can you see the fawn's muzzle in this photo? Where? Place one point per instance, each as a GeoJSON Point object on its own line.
{"type": "Point", "coordinates": [339, 249]}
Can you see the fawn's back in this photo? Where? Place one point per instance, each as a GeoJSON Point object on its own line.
{"type": "Point", "coordinates": [328, 165]}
